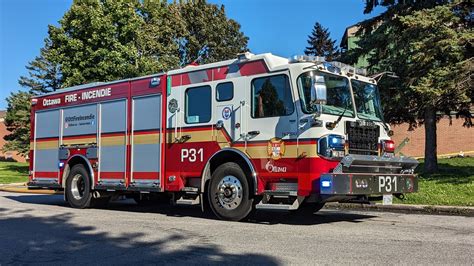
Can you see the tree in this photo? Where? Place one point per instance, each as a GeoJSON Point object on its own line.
{"type": "Point", "coordinates": [105, 40]}
{"type": "Point", "coordinates": [320, 43]}
{"type": "Point", "coordinates": [429, 46]}
{"type": "Point", "coordinates": [207, 25]}
{"type": "Point", "coordinates": [96, 41]}
{"type": "Point", "coordinates": [17, 121]}
{"type": "Point", "coordinates": [44, 75]}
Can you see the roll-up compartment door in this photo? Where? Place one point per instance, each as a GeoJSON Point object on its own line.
{"type": "Point", "coordinates": [146, 141]}
{"type": "Point", "coordinates": [46, 145]}
{"type": "Point", "coordinates": [112, 142]}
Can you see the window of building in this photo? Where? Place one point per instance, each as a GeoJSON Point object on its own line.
{"type": "Point", "coordinates": [224, 91]}
{"type": "Point", "coordinates": [271, 96]}
{"type": "Point", "coordinates": [198, 105]}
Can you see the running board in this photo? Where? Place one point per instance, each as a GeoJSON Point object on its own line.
{"type": "Point", "coordinates": [280, 206]}
{"type": "Point", "coordinates": [189, 201]}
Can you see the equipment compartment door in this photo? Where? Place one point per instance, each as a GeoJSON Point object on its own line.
{"type": "Point", "coordinates": [46, 145]}
{"type": "Point", "coordinates": [146, 142]}
{"type": "Point", "coordinates": [112, 143]}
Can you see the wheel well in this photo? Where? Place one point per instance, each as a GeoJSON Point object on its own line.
{"type": "Point", "coordinates": [71, 163]}
{"type": "Point", "coordinates": [231, 156]}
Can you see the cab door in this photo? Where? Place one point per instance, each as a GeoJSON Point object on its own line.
{"type": "Point", "coordinates": [271, 130]}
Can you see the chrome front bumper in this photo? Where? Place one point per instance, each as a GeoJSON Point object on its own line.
{"type": "Point", "coordinates": [370, 175]}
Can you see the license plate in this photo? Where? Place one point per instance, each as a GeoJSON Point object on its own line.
{"type": "Point", "coordinates": [388, 184]}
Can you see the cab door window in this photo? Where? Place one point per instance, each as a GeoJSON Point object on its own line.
{"type": "Point", "coordinates": [271, 96]}
{"type": "Point", "coordinates": [198, 105]}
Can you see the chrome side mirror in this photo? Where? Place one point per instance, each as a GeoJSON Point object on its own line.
{"type": "Point", "coordinates": [319, 90]}
{"type": "Point", "coordinates": [220, 124]}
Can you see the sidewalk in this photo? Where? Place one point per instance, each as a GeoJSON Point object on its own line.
{"type": "Point", "coordinates": [22, 188]}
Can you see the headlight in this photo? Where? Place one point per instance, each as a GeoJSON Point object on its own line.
{"type": "Point", "coordinates": [331, 146]}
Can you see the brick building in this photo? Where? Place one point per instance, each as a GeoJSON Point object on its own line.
{"type": "Point", "coordinates": [451, 139]}
{"type": "Point", "coordinates": [9, 155]}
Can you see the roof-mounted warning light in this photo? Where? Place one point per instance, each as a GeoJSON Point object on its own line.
{"type": "Point", "coordinates": [244, 56]}
{"type": "Point", "coordinates": [307, 58]}
{"type": "Point", "coordinates": [333, 66]}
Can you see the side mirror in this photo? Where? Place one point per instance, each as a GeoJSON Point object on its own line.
{"type": "Point", "coordinates": [319, 89]}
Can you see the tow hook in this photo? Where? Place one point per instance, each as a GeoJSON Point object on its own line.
{"type": "Point", "coordinates": [400, 196]}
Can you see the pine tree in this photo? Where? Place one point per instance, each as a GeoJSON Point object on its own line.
{"type": "Point", "coordinates": [17, 121]}
{"type": "Point", "coordinates": [320, 43]}
{"type": "Point", "coordinates": [427, 44]}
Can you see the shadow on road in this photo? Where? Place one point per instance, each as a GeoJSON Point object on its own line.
{"type": "Point", "coordinates": [258, 217]}
{"type": "Point", "coordinates": [56, 239]}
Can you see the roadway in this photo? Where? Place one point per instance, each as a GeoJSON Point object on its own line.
{"type": "Point", "coordinates": [42, 229]}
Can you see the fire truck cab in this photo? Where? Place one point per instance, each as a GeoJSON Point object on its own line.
{"type": "Point", "coordinates": [255, 132]}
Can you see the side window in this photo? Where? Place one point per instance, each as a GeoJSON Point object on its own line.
{"type": "Point", "coordinates": [271, 96]}
{"type": "Point", "coordinates": [198, 105]}
{"type": "Point", "coordinates": [224, 91]}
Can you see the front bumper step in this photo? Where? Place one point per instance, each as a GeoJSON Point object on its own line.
{"type": "Point", "coordinates": [370, 175]}
{"type": "Point", "coordinates": [367, 184]}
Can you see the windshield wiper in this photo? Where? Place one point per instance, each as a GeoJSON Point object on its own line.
{"type": "Point", "coordinates": [332, 125]}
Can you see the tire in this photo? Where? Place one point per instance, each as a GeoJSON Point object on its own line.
{"type": "Point", "coordinates": [78, 187]}
{"type": "Point", "coordinates": [229, 193]}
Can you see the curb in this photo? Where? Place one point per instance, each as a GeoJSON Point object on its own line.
{"type": "Point", "coordinates": [400, 208]}
{"type": "Point", "coordinates": [405, 208]}
{"type": "Point", "coordinates": [22, 188]}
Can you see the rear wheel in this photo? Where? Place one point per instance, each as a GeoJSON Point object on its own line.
{"type": "Point", "coordinates": [229, 193]}
{"type": "Point", "coordinates": [78, 187]}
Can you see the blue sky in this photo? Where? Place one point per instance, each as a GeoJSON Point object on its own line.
{"type": "Point", "coordinates": [277, 26]}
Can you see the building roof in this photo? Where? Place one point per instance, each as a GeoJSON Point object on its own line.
{"type": "Point", "coordinates": [349, 32]}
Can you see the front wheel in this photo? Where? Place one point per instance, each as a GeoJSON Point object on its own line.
{"type": "Point", "coordinates": [229, 193]}
{"type": "Point", "coordinates": [78, 187]}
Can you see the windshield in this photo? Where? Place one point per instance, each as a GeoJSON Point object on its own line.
{"type": "Point", "coordinates": [339, 98]}
{"type": "Point", "coordinates": [367, 100]}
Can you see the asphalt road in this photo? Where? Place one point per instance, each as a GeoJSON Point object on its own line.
{"type": "Point", "coordinates": [42, 229]}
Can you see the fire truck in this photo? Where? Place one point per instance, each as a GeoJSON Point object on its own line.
{"type": "Point", "coordinates": [254, 132]}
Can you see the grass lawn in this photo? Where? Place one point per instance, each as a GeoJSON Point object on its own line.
{"type": "Point", "coordinates": [453, 185]}
{"type": "Point", "coordinates": [13, 172]}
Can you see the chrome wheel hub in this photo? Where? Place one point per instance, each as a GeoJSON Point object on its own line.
{"type": "Point", "coordinates": [229, 192]}
{"type": "Point", "coordinates": [78, 186]}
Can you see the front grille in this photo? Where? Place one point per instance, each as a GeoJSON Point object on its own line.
{"type": "Point", "coordinates": [362, 137]}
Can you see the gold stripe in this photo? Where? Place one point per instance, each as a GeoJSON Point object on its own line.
{"type": "Point", "coordinates": [146, 139]}
{"type": "Point", "coordinates": [45, 145]}
{"type": "Point", "coordinates": [308, 150]}
{"type": "Point", "coordinates": [112, 141]}
{"type": "Point", "coordinates": [79, 141]}
{"type": "Point", "coordinates": [292, 151]}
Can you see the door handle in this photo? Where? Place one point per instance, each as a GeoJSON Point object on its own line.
{"type": "Point", "coordinates": [253, 133]}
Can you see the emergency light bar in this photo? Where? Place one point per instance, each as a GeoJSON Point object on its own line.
{"type": "Point", "coordinates": [333, 66]}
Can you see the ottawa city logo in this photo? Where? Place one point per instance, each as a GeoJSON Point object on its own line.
{"type": "Point", "coordinates": [276, 148]}
{"type": "Point", "coordinates": [226, 112]}
{"type": "Point", "coordinates": [270, 167]}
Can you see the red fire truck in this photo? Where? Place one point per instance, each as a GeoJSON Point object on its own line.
{"type": "Point", "coordinates": [258, 131]}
